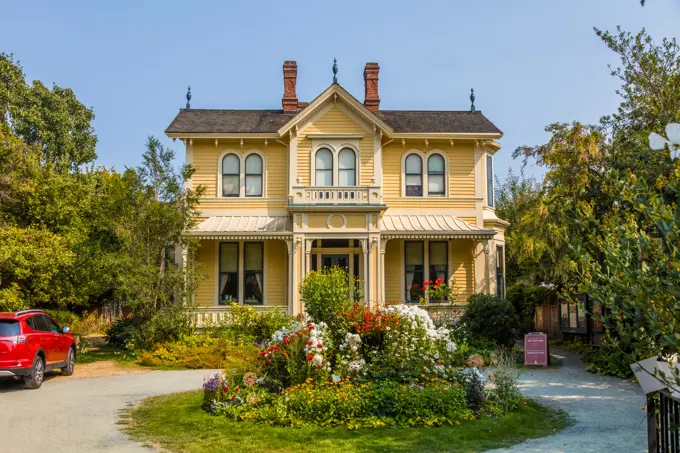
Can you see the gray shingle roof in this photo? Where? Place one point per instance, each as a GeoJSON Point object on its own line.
{"type": "Point", "coordinates": [267, 121]}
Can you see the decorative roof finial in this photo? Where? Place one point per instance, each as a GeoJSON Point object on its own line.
{"type": "Point", "coordinates": [189, 98]}
{"type": "Point", "coordinates": [335, 70]}
{"type": "Point", "coordinates": [472, 99]}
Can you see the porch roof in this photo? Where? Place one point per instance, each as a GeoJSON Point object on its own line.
{"type": "Point", "coordinates": [431, 226]}
{"type": "Point", "coordinates": [239, 226]}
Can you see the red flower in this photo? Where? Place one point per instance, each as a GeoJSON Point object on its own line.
{"type": "Point", "coordinates": [319, 346]}
{"type": "Point", "coordinates": [440, 281]}
{"type": "Point", "coordinates": [286, 340]}
{"type": "Point", "coordinates": [309, 343]}
{"type": "Point", "coordinates": [263, 353]}
{"type": "Point", "coordinates": [277, 346]}
{"type": "Point", "coordinates": [233, 397]}
{"type": "Point", "coordinates": [311, 328]}
{"type": "Point", "coordinates": [237, 389]}
{"type": "Point", "coordinates": [226, 388]}
{"type": "Point", "coordinates": [310, 357]}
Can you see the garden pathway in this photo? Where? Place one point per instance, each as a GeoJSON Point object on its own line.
{"type": "Point", "coordinates": [608, 411]}
{"type": "Point", "coordinates": [81, 414]}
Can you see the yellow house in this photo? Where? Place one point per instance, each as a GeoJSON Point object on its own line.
{"type": "Point", "coordinates": [398, 197]}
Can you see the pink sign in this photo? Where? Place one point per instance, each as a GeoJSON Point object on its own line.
{"type": "Point", "coordinates": [536, 351]}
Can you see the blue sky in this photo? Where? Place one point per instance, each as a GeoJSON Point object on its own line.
{"type": "Point", "coordinates": [531, 62]}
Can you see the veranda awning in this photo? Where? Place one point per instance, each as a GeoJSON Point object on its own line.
{"type": "Point", "coordinates": [434, 226]}
{"type": "Point", "coordinates": [244, 226]}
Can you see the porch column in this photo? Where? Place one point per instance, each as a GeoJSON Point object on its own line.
{"type": "Point", "coordinates": [290, 291]}
{"type": "Point", "coordinates": [308, 256]}
{"type": "Point", "coordinates": [381, 273]}
{"type": "Point", "coordinates": [485, 245]}
{"type": "Point", "coordinates": [364, 248]}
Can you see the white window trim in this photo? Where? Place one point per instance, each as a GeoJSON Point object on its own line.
{"type": "Point", "coordinates": [425, 157]}
{"type": "Point", "coordinates": [241, 271]}
{"type": "Point", "coordinates": [242, 170]}
{"type": "Point", "coordinates": [335, 151]}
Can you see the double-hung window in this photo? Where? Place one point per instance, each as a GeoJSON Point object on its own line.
{"type": "Point", "coordinates": [324, 167]}
{"type": "Point", "coordinates": [347, 167]}
{"type": "Point", "coordinates": [231, 175]}
{"type": "Point", "coordinates": [438, 260]}
{"type": "Point", "coordinates": [228, 282]}
{"type": "Point", "coordinates": [253, 176]}
{"type": "Point", "coordinates": [414, 176]}
{"type": "Point", "coordinates": [435, 175]}
{"type": "Point", "coordinates": [414, 262]}
{"type": "Point", "coordinates": [253, 266]}
{"type": "Point", "coordinates": [500, 271]}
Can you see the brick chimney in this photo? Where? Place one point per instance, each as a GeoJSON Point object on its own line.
{"type": "Point", "coordinates": [371, 100]}
{"type": "Point", "coordinates": [289, 100]}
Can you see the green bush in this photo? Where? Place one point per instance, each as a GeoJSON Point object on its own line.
{"type": "Point", "coordinates": [120, 333]}
{"type": "Point", "coordinates": [328, 293]}
{"type": "Point", "coordinates": [244, 325]}
{"type": "Point", "coordinates": [201, 352]}
{"type": "Point", "coordinates": [491, 318]}
{"type": "Point", "coordinates": [164, 326]}
{"type": "Point", "coordinates": [525, 297]}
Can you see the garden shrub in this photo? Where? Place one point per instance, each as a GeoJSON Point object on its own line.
{"type": "Point", "coordinates": [491, 318]}
{"type": "Point", "coordinates": [121, 331]}
{"type": "Point", "coordinates": [201, 352]}
{"type": "Point", "coordinates": [328, 293]}
{"type": "Point", "coordinates": [168, 325]}
{"type": "Point", "coordinates": [244, 325]}
{"type": "Point", "coordinates": [505, 393]}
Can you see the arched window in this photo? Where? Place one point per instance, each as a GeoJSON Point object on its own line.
{"type": "Point", "coordinates": [253, 175]}
{"type": "Point", "coordinates": [324, 167]}
{"type": "Point", "coordinates": [347, 168]}
{"type": "Point", "coordinates": [231, 176]}
{"type": "Point", "coordinates": [414, 176]}
{"type": "Point", "coordinates": [436, 175]}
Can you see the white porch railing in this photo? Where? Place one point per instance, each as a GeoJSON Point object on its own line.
{"type": "Point", "coordinates": [444, 313]}
{"type": "Point", "coordinates": [205, 316]}
{"type": "Point", "coordinates": [336, 195]}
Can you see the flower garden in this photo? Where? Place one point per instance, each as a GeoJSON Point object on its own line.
{"type": "Point", "coordinates": [346, 365]}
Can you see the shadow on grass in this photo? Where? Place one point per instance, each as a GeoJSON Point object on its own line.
{"type": "Point", "coordinates": [177, 423]}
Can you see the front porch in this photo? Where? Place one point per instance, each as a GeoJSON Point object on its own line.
{"type": "Point", "coordinates": [261, 260]}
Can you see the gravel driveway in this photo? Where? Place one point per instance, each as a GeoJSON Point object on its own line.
{"type": "Point", "coordinates": [80, 415]}
{"type": "Point", "coordinates": [608, 411]}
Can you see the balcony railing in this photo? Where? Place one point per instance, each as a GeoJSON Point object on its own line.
{"type": "Point", "coordinates": [336, 195]}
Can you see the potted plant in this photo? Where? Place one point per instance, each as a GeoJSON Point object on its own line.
{"type": "Point", "coordinates": [439, 292]}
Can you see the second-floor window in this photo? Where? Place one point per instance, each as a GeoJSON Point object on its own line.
{"type": "Point", "coordinates": [414, 176]}
{"type": "Point", "coordinates": [347, 171]}
{"type": "Point", "coordinates": [324, 167]}
{"type": "Point", "coordinates": [241, 175]}
{"type": "Point", "coordinates": [253, 176]}
{"type": "Point", "coordinates": [489, 181]}
{"type": "Point", "coordinates": [231, 176]}
{"type": "Point", "coordinates": [435, 175]}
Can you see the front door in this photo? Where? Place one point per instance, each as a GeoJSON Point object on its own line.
{"type": "Point", "coordinates": [341, 261]}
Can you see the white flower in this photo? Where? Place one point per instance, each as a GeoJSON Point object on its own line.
{"type": "Point", "coordinates": [335, 378]}
{"type": "Point", "coordinates": [317, 361]}
{"type": "Point", "coordinates": [657, 142]}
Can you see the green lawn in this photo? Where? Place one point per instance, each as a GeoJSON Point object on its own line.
{"type": "Point", "coordinates": [178, 424]}
{"type": "Point", "coordinates": [102, 353]}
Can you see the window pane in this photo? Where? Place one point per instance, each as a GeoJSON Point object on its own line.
{"type": "Point", "coordinates": [346, 178]}
{"type": "Point", "coordinates": [253, 288]}
{"type": "Point", "coordinates": [230, 164]}
{"type": "Point", "coordinates": [51, 325]}
{"type": "Point", "coordinates": [229, 257]}
{"type": "Point", "coordinates": [435, 184]}
{"type": "Point", "coordinates": [228, 288]}
{"type": "Point", "coordinates": [324, 177]}
{"type": "Point", "coordinates": [414, 164]}
{"type": "Point", "coordinates": [414, 185]}
{"type": "Point", "coordinates": [414, 270]}
{"type": "Point", "coordinates": [254, 165]}
{"type": "Point", "coordinates": [253, 186]}
{"type": "Point", "coordinates": [9, 328]}
{"type": "Point", "coordinates": [253, 256]}
{"type": "Point", "coordinates": [435, 164]}
{"type": "Point", "coordinates": [324, 160]}
{"type": "Point", "coordinates": [230, 185]}
{"type": "Point", "coordinates": [438, 252]}
{"type": "Point", "coordinates": [347, 160]}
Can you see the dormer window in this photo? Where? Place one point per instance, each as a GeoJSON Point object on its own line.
{"type": "Point", "coordinates": [231, 175]}
{"type": "Point", "coordinates": [347, 171]}
{"type": "Point", "coordinates": [324, 167]}
{"type": "Point", "coordinates": [414, 176]}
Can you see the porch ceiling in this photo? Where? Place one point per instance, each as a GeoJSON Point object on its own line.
{"type": "Point", "coordinates": [431, 225]}
{"type": "Point", "coordinates": [272, 227]}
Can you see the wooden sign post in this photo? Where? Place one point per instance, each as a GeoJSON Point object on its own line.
{"type": "Point", "coordinates": [536, 350]}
